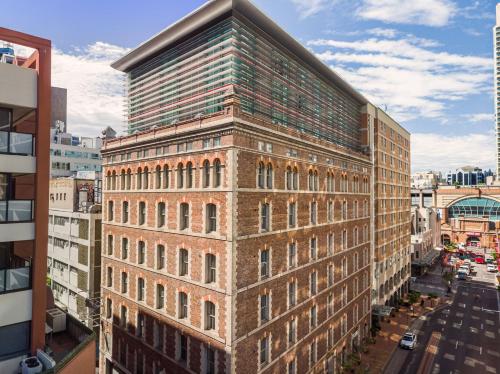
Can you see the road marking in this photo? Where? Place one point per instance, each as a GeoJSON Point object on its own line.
{"type": "Point", "coordinates": [490, 310]}
{"type": "Point", "coordinates": [456, 345]}
{"type": "Point", "coordinates": [481, 350]}
{"type": "Point", "coordinates": [481, 326]}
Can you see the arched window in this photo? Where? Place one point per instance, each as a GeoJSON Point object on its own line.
{"type": "Point", "coordinates": [180, 175]}
{"type": "Point", "coordinates": [158, 177]}
{"type": "Point", "coordinates": [114, 177]}
{"type": "Point", "coordinates": [260, 175]}
{"type": "Point", "coordinates": [217, 173]}
{"type": "Point", "coordinates": [475, 207]}
{"type": "Point", "coordinates": [206, 173]}
{"type": "Point", "coordinates": [209, 315]}
{"type": "Point", "coordinates": [316, 181]}
{"type": "Point", "coordinates": [166, 176]}
{"type": "Point", "coordinates": [129, 179]}
{"type": "Point", "coordinates": [146, 178]}
{"type": "Point", "coordinates": [138, 181]}
{"type": "Point", "coordinates": [310, 183]}
{"type": "Point", "coordinates": [189, 175]}
{"type": "Point", "coordinates": [108, 180]}
{"type": "Point", "coordinates": [122, 179]}
{"type": "Point", "coordinates": [289, 178]}
{"type": "Point", "coordinates": [295, 178]}
{"type": "Point", "coordinates": [269, 176]}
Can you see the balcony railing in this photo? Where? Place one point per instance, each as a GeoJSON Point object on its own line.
{"type": "Point", "coordinates": [16, 143]}
{"type": "Point", "coordinates": [16, 279]}
{"type": "Point", "coordinates": [16, 211]}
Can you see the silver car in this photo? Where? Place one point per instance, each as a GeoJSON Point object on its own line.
{"type": "Point", "coordinates": [409, 341]}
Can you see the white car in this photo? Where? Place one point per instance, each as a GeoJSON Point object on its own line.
{"type": "Point", "coordinates": [408, 341]}
{"type": "Point", "coordinates": [491, 268]}
{"type": "Point", "coordinates": [465, 269]}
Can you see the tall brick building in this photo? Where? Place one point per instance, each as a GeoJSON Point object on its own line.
{"type": "Point", "coordinates": [237, 213]}
{"type": "Point", "coordinates": [392, 208]}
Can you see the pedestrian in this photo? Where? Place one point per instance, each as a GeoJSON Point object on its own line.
{"type": "Point", "coordinates": [422, 303]}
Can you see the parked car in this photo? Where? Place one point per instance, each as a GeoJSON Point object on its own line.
{"type": "Point", "coordinates": [480, 260]}
{"type": "Point", "coordinates": [465, 269]}
{"type": "Point", "coordinates": [408, 341]}
{"type": "Point", "coordinates": [491, 268]}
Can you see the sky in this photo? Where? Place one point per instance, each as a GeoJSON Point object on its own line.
{"type": "Point", "coordinates": [428, 63]}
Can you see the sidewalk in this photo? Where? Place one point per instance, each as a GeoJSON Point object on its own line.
{"type": "Point", "coordinates": [387, 339]}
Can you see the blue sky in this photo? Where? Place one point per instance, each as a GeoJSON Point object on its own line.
{"type": "Point", "coordinates": [429, 62]}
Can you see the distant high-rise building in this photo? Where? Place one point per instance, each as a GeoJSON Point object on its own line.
{"type": "Point", "coordinates": [468, 176]}
{"type": "Point", "coordinates": [58, 112]}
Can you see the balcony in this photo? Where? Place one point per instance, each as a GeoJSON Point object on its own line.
{"type": "Point", "coordinates": [17, 152]}
{"type": "Point", "coordinates": [16, 220]}
{"type": "Point", "coordinates": [17, 279]}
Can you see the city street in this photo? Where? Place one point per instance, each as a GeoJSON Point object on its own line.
{"type": "Point", "coordinates": [465, 333]}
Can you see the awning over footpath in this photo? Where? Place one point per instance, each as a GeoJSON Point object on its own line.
{"type": "Point", "coordinates": [382, 310]}
{"type": "Point", "coordinates": [429, 258]}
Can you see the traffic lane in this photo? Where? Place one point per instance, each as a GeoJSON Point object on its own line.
{"type": "Point", "coordinates": [465, 347]}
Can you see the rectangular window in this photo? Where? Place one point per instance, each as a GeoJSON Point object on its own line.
{"type": "Point", "coordinates": [124, 282]}
{"type": "Point", "coordinates": [142, 213]}
{"type": "Point", "coordinates": [183, 348]}
{"type": "Point", "coordinates": [109, 308]}
{"type": "Point", "coordinates": [264, 351]}
{"type": "Point", "coordinates": [329, 243]}
{"type": "Point", "coordinates": [109, 277]}
{"type": "Point", "coordinates": [292, 331]}
{"type": "Point", "coordinates": [125, 212]}
{"type": "Point", "coordinates": [265, 218]}
{"type": "Point", "coordinates": [160, 296]}
{"type": "Point", "coordinates": [292, 255]}
{"type": "Point", "coordinates": [313, 283]}
{"type": "Point", "coordinates": [264, 263]}
{"type": "Point", "coordinates": [209, 315]}
{"type": "Point", "coordinates": [124, 248]}
{"type": "Point", "coordinates": [161, 214]}
{"type": "Point", "coordinates": [123, 316]}
{"type": "Point", "coordinates": [140, 325]}
{"type": "Point", "coordinates": [141, 252]}
{"type": "Point", "coordinates": [209, 360]}
{"type": "Point", "coordinates": [183, 305]}
{"type": "Point", "coordinates": [313, 213]}
{"type": "Point", "coordinates": [217, 141]}
{"type": "Point", "coordinates": [140, 289]}
{"type": "Point", "coordinates": [330, 211]}
{"type": "Point", "coordinates": [184, 216]}
{"type": "Point", "coordinates": [313, 316]}
{"type": "Point", "coordinates": [110, 211]}
{"type": "Point", "coordinates": [206, 143]}
{"type": "Point", "coordinates": [330, 275]}
{"type": "Point", "coordinates": [211, 218]}
{"type": "Point", "coordinates": [183, 262]}
{"type": "Point", "coordinates": [264, 308]}
{"type": "Point", "coordinates": [292, 293]}
{"type": "Point", "coordinates": [211, 266]}
{"type": "Point", "coordinates": [110, 245]}
{"type": "Point", "coordinates": [314, 247]}
{"type": "Point", "coordinates": [160, 257]}
{"type": "Point", "coordinates": [292, 214]}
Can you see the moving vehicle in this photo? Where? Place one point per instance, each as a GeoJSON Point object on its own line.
{"type": "Point", "coordinates": [408, 341]}
{"type": "Point", "coordinates": [462, 275]}
{"type": "Point", "coordinates": [480, 260]}
{"type": "Point", "coordinates": [465, 269]}
{"type": "Point", "coordinates": [491, 268]}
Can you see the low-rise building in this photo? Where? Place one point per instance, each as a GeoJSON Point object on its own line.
{"type": "Point", "coordinates": [74, 251]}
{"type": "Point", "coordinates": [469, 215]}
{"type": "Point", "coordinates": [427, 179]}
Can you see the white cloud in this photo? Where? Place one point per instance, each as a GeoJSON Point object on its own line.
{"type": "Point", "coordinates": [307, 8]}
{"type": "Point", "coordinates": [419, 12]}
{"type": "Point", "coordinates": [95, 90]}
{"type": "Point", "coordinates": [433, 151]}
{"type": "Point", "coordinates": [386, 33]}
{"type": "Point", "coordinates": [407, 74]}
{"type": "Point", "coordinates": [480, 117]}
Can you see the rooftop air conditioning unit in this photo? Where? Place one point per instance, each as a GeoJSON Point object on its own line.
{"type": "Point", "coordinates": [31, 365]}
{"type": "Point", "coordinates": [56, 319]}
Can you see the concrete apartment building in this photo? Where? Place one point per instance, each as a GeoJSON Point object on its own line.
{"type": "Point", "coordinates": [237, 213]}
{"type": "Point", "coordinates": [74, 251]}
{"type": "Point", "coordinates": [24, 156]}
{"type": "Point", "coordinates": [25, 112]}
{"type": "Point", "coordinates": [391, 244]}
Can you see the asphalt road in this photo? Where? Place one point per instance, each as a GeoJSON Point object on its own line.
{"type": "Point", "coordinates": [470, 332]}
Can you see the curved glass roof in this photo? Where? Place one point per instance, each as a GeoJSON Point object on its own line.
{"type": "Point", "coordinates": [475, 207]}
